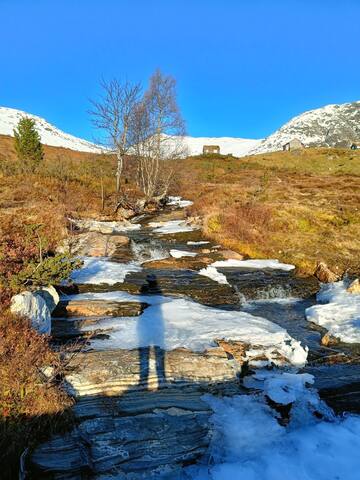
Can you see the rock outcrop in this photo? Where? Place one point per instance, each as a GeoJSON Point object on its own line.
{"type": "Point", "coordinates": [354, 287]}
{"type": "Point", "coordinates": [324, 274]}
{"type": "Point", "coordinates": [132, 424]}
{"type": "Point", "coordinates": [94, 244]}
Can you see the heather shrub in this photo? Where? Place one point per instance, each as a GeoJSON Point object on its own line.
{"type": "Point", "coordinates": [32, 404]}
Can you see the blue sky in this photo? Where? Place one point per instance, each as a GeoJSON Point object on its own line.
{"type": "Point", "coordinates": [243, 67]}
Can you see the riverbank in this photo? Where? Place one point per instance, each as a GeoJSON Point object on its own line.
{"type": "Point", "coordinates": [159, 334]}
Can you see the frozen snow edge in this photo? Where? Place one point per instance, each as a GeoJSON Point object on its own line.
{"type": "Point", "coordinates": [338, 312]}
{"type": "Point", "coordinates": [101, 270]}
{"type": "Point", "coordinates": [172, 323]}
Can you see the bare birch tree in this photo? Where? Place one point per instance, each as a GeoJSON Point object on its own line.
{"type": "Point", "coordinates": [112, 114]}
{"type": "Point", "coordinates": [157, 135]}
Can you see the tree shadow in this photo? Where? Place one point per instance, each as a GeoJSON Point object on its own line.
{"type": "Point", "coordinates": [150, 332]}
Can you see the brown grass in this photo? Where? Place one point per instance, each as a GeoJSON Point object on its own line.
{"type": "Point", "coordinates": [32, 406]}
{"type": "Point", "coordinates": [300, 207]}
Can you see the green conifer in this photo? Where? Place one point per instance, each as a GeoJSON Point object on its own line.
{"type": "Point", "coordinates": [27, 144]}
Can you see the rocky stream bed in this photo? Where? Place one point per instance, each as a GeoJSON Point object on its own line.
{"type": "Point", "coordinates": [159, 334]}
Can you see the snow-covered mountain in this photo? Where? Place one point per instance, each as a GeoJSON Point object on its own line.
{"type": "Point", "coordinates": [239, 147]}
{"type": "Point", "coordinates": [50, 135]}
{"type": "Point", "coordinates": [329, 126]}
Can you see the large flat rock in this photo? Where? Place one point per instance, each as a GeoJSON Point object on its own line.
{"type": "Point", "coordinates": [133, 420]}
{"type": "Point", "coordinates": [114, 372]}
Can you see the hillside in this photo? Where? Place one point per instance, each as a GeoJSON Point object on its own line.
{"type": "Point", "coordinates": [329, 126]}
{"type": "Point", "coordinates": [50, 135]}
{"type": "Point", "coordinates": [300, 207]}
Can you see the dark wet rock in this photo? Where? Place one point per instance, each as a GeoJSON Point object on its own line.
{"type": "Point", "coordinates": [138, 447]}
{"type": "Point", "coordinates": [177, 283]}
{"type": "Point", "coordinates": [338, 385]}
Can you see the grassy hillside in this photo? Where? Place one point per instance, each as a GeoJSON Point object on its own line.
{"type": "Point", "coordinates": [301, 206]}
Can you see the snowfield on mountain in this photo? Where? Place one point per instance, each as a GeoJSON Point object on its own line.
{"type": "Point", "coordinates": [50, 135]}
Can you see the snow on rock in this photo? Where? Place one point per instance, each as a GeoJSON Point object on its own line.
{"type": "Point", "coordinates": [329, 126]}
{"type": "Point", "coordinates": [50, 135]}
{"type": "Point", "coordinates": [104, 226]}
{"type": "Point", "coordinates": [249, 443]}
{"type": "Point", "coordinates": [214, 274]}
{"type": "Point", "coordinates": [34, 307]}
{"type": "Point", "coordinates": [179, 202]}
{"type": "Point", "coordinates": [171, 227]}
{"type": "Point", "coordinates": [181, 253]}
{"type": "Point", "coordinates": [99, 270]}
{"type": "Point", "coordinates": [201, 242]}
{"type": "Point", "coordinates": [255, 264]}
{"type": "Point", "coordinates": [174, 323]}
{"type": "Point", "coordinates": [339, 312]}
{"type": "Point", "coordinates": [281, 387]}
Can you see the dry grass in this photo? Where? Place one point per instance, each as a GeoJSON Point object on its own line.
{"type": "Point", "coordinates": [32, 406]}
{"type": "Point", "coordinates": [300, 207]}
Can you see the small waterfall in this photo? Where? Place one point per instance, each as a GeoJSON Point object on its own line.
{"type": "Point", "coordinates": [274, 291]}
{"type": "Point", "coordinates": [147, 251]}
{"type": "Point", "coordinates": [268, 293]}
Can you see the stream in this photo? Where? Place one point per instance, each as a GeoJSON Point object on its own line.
{"type": "Point", "coordinates": [159, 328]}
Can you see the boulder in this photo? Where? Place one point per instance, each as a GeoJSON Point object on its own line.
{"type": "Point", "coordinates": [94, 244]}
{"type": "Point", "coordinates": [324, 274]}
{"type": "Point", "coordinates": [125, 213]}
{"type": "Point", "coordinates": [34, 307]}
{"type": "Point", "coordinates": [101, 226]}
{"type": "Point", "coordinates": [50, 295]}
{"type": "Point", "coordinates": [98, 308]}
{"type": "Point", "coordinates": [231, 255]}
{"type": "Point", "coordinates": [354, 287]}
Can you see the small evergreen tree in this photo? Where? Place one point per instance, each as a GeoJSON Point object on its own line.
{"type": "Point", "coordinates": [27, 144]}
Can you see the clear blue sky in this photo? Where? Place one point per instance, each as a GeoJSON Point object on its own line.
{"type": "Point", "coordinates": [243, 67]}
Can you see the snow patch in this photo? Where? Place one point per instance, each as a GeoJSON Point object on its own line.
{"type": "Point", "coordinates": [340, 314]}
{"type": "Point", "coordinates": [171, 227]}
{"type": "Point", "coordinates": [214, 274]}
{"type": "Point", "coordinates": [179, 202]}
{"type": "Point", "coordinates": [239, 147]}
{"type": "Point", "coordinates": [255, 264]}
{"type": "Point", "coordinates": [99, 270]}
{"type": "Point", "coordinates": [174, 323]}
{"type": "Point", "coordinates": [181, 253]}
{"type": "Point", "coordinates": [201, 242]}
{"type": "Point", "coordinates": [248, 442]}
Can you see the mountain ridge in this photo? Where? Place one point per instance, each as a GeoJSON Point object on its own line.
{"type": "Point", "coordinates": [334, 125]}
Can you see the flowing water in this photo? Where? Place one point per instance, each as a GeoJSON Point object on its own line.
{"type": "Point", "coordinates": [107, 418]}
